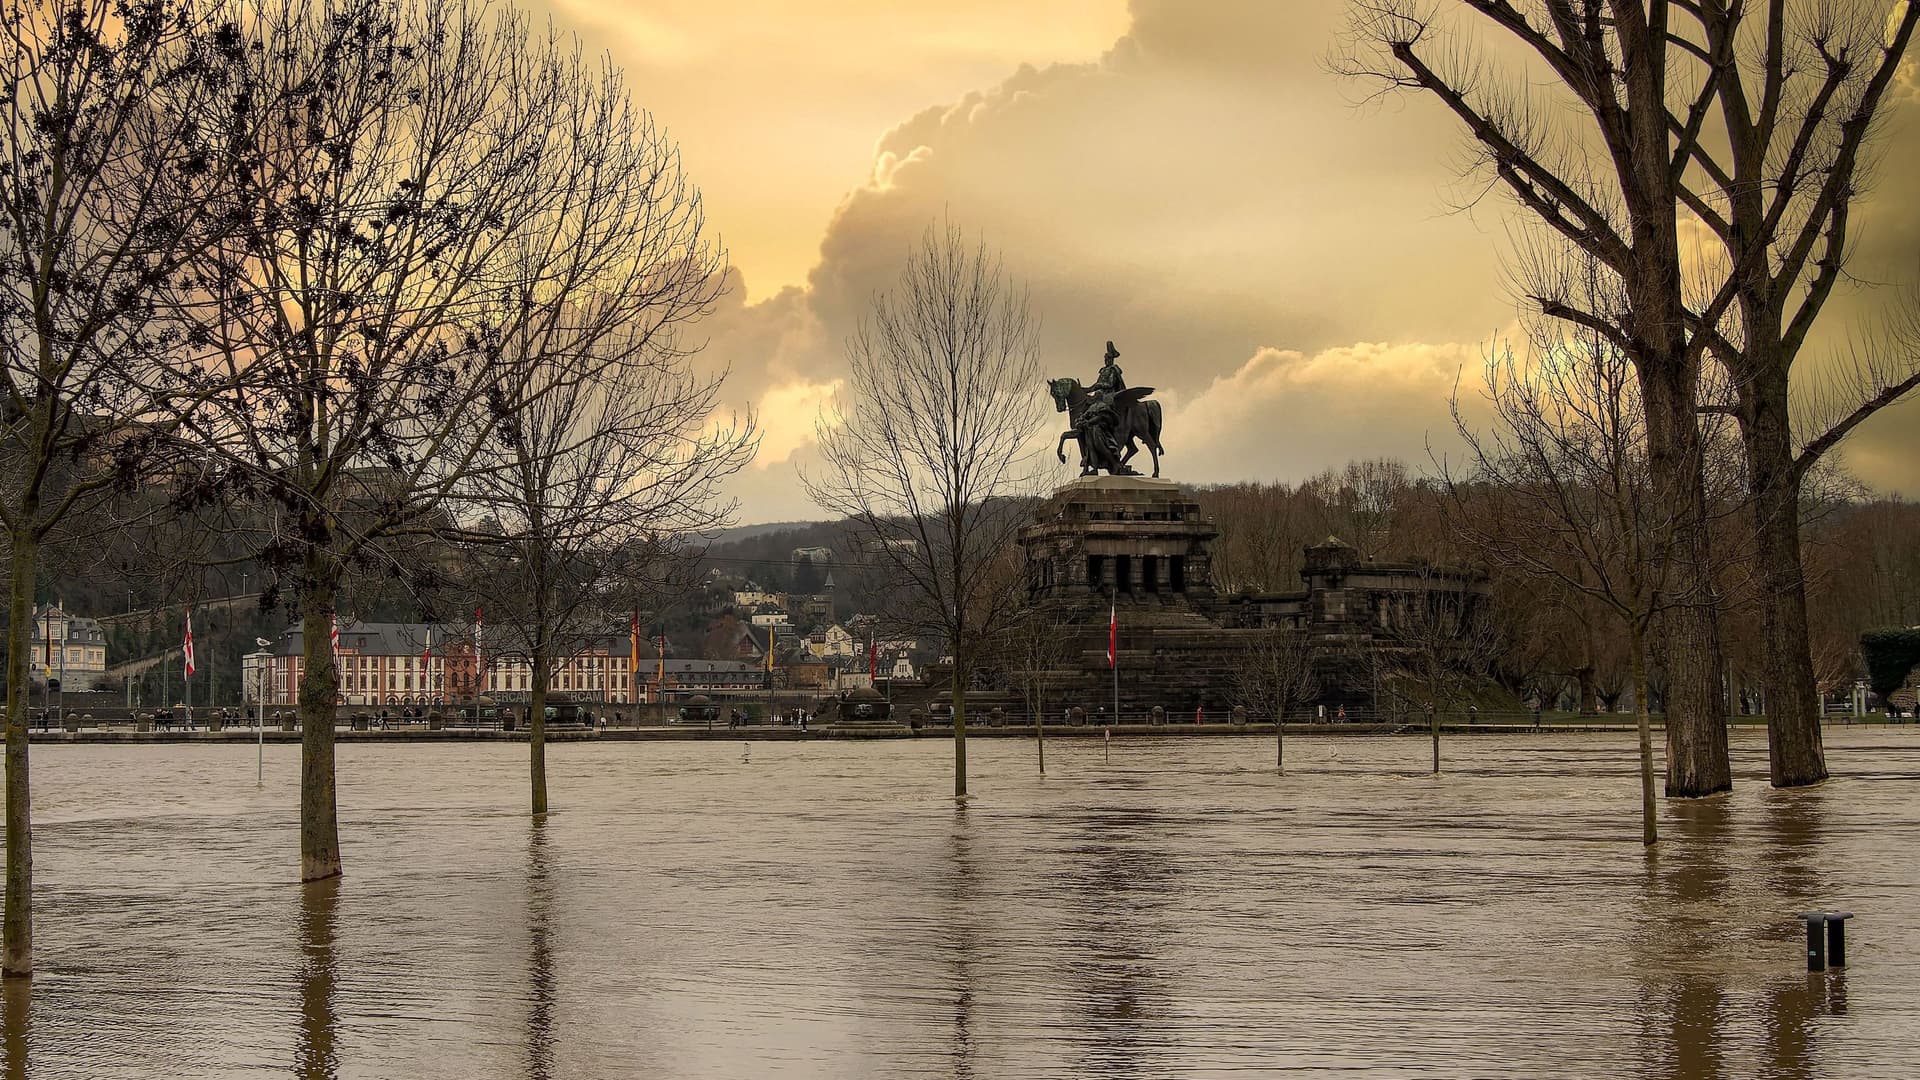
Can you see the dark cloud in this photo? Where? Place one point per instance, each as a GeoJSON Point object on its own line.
{"type": "Point", "coordinates": [1209, 198]}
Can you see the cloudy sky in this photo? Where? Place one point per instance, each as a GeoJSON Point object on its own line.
{"type": "Point", "coordinates": [1184, 177]}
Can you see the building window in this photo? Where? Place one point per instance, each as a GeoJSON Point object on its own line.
{"type": "Point", "coordinates": [1177, 572]}
{"type": "Point", "coordinates": [1123, 573]}
{"type": "Point", "coordinates": [1150, 572]}
{"type": "Point", "coordinates": [1096, 570]}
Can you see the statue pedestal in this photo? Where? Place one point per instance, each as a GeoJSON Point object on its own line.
{"type": "Point", "coordinates": [1138, 551]}
{"type": "Point", "coordinates": [1124, 536]}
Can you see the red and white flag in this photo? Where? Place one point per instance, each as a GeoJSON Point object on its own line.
{"type": "Point", "coordinates": [186, 646]}
{"type": "Point", "coordinates": [334, 622]}
{"type": "Point", "coordinates": [426, 658]}
{"type": "Point", "coordinates": [1113, 637]}
{"type": "Point", "coordinates": [873, 660]}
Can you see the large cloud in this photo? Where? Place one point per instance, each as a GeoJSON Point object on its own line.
{"type": "Point", "coordinates": [1205, 195]}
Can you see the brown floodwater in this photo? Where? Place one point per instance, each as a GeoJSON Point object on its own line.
{"type": "Point", "coordinates": [821, 910]}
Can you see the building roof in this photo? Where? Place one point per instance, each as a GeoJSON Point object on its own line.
{"type": "Point", "coordinates": [410, 639]}
{"type": "Point", "coordinates": [78, 626]}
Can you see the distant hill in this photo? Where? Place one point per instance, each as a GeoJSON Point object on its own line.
{"type": "Point", "coordinates": [738, 533]}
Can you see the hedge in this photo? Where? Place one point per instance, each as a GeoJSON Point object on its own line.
{"type": "Point", "coordinates": [1890, 653]}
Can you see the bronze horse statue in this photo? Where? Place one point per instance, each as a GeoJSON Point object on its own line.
{"type": "Point", "coordinates": [1139, 419]}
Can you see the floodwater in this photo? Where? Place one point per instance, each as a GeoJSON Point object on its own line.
{"type": "Point", "coordinates": [821, 910]}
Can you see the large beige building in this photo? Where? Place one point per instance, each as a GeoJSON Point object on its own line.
{"type": "Point", "coordinates": [72, 648]}
{"type": "Point", "coordinates": [389, 664]}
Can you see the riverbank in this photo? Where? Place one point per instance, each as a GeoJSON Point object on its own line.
{"type": "Point", "coordinates": [764, 733]}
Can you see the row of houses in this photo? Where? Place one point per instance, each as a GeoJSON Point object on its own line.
{"type": "Point", "coordinates": [399, 664]}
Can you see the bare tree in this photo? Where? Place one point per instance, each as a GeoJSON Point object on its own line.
{"type": "Point", "coordinates": [1263, 527]}
{"type": "Point", "coordinates": [434, 195]}
{"type": "Point", "coordinates": [110, 177]}
{"type": "Point", "coordinates": [1560, 490]}
{"type": "Point", "coordinates": [1033, 646]}
{"type": "Point", "coordinates": [598, 489]}
{"type": "Point", "coordinates": [1581, 137]}
{"type": "Point", "coordinates": [1443, 640]}
{"type": "Point", "coordinates": [1771, 155]}
{"type": "Point", "coordinates": [1362, 502]}
{"type": "Point", "coordinates": [931, 453]}
{"type": "Point", "coordinates": [1275, 674]}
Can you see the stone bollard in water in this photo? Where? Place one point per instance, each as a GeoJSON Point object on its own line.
{"type": "Point", "coordinates": [1837, 938]}
{"type": "Point", "coordinates": [1239, 714]}
{"type": "Point", "coordinates": [1816, 939]}
{"type": "Point", "coordinates": [996, 717]}
{"type": "Point", "coordinates": [1158, 716]}
{"type": "Point", "coordinates": [1076, 716]}
{"type": "Point", "coordinates": [1826, 938]}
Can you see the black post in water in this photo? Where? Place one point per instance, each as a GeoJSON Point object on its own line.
{"type": "Point", "coordinates": [1816, 940]}
{"type": "Point", "coordinates": [1837, 938]}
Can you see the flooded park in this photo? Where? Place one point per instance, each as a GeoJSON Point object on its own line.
{"type": "Point", "coordinates": [1160, 908]}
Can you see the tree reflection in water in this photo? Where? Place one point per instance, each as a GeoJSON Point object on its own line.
{"type": "Point", "coordinates": [315, 1058]}
{"type": "Point", "coordinates": [1701, 930]}
{"type": "Point", "coordinates": [539, 955]}
{"type": "Point", "coordinates": [18, 1000]}
{"type": "Point", "coordinates": [1124, 881]}
{"type": "Point", "coordinates": [962, 891]}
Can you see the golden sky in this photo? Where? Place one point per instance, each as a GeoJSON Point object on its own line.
{"type": "Point", "coordinates": [1181, 176]}
{"type": "Point", "coordinates": [778, 105]}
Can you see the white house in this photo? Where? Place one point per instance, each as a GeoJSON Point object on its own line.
{"type": "Point", "coordinates": [833, 641]}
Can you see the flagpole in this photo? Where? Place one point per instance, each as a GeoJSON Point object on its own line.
{"type": "Point", "coordinates": [1113, 655]}
{"type": "Point", "coordinates": [186, 666]}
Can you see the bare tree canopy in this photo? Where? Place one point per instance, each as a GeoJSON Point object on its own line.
{"type": "Point", "coordinates": [930, 455]}
{"type": "Point", "coordinates": [591, 496]}
{"type": "Point", "coordinates": [449, 220]}
{"type": "Point", "coordinates": [111, 176]}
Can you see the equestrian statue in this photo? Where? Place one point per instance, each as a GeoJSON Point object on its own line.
{"type": "Point", "coordinates": [1106, 419]}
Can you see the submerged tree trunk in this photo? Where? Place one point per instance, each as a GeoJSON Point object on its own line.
{"type": "Point", "coordinates": [959, 730]}
{"type": "Point", "coordinates": [1794, 751]}
{"type": "Point", "coordinates": [1643, 720]}
{"type": "Point", "coordinates": [17, 961]}
{"type": "Point", "coordinates": [537, 728]}
{"type": "Point", "coordinates": [1689, 630]}
{"type": "Point", "coordinates": [1039, 727]}
{"type": "Point", "coordinates": [319, 689]}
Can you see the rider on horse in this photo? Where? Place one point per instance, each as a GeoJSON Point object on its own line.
{"type": "Point", "coordinates": [1110, 379]}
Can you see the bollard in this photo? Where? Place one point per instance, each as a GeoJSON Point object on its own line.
{"type": "Point", "coordinates": [1106, 745]}
{"type": "Point", "coordinates": [1837, 938]}
{"type": "Point", "coordinates": [1816, 939]}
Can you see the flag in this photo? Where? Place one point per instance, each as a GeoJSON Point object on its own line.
{"type": "Point", "coordinates": [663, 660]}
{"type": "Point", "coordinates": [186, 646]}
{"type": "Point", "coordinates": [873, 660]}
{"type": "Point", "coordinates": [1113, 637]}
{"type": "Point", "coordinates": [771, 635]}
{"type": "Point", "coordinates": [479, 657]}
{"type": "Point", "coordinates": [633, 645]}
{"type": "Point", "coordinates": [426, 658]}
{"type": "Point", "coordinates": [335, 621]}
